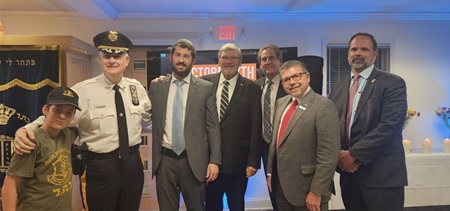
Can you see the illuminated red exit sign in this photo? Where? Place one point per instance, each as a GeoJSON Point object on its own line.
{"type": "Point", "coordinates": [226, 32]}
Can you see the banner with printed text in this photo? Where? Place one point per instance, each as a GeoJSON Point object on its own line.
{"type": "Point", "coordinates": [247, 70]}
{"type": "Point", "coordinates": [28, 74]}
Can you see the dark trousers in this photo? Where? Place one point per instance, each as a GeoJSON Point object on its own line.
{"type": "Point", "coordinates": [265, 154]}
{"type": "Point", "coordinates": [113, 184]}
{"type": "Point", "coordinates": [174, 175]}
{"type": "Point", "coordinates": [233, 185]}
{"type": "Point", "coordinates": [357, 197]}
{"type": "Point", "coordinates": [285, 205]}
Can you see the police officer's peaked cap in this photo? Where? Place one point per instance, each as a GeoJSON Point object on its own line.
{"type": "Point", "coordinates": [112, 42]}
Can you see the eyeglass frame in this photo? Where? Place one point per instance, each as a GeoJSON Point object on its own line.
{"type": "Point", "coordinates": [295, 77]}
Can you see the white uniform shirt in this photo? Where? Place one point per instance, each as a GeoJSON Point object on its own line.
{"type": "Point", "coordinates": [97, 121]}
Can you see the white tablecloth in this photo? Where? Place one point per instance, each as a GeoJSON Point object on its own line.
{"type": "Point", "coordinates": [428, 181]}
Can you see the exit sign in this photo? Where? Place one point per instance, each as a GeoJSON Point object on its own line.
{"type": "Point", "coordinates": [226, 32]}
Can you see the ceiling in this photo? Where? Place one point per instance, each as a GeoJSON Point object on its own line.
{"type": "Point", "coordinates": [233, 9]}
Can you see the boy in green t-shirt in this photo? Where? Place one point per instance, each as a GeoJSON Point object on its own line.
{"type": "Point", "coordinates": [42, 180]}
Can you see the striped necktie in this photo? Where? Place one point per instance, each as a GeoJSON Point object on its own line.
{"type": "Point", "coordinates": [224, 99]}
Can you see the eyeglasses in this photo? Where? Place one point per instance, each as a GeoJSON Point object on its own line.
{"type": "Point", "coordinates": [295, 77]}
{"type": "Point", "coordinates": [230, 58]}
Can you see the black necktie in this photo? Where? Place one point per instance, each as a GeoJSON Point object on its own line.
{"type": "Point", "coordinates": [124, 151]}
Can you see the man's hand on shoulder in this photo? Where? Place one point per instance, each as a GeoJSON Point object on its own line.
{"type": "Point", "coordinates": [22, 143]}
{"type": "Point", "coordinates": [159, 79]}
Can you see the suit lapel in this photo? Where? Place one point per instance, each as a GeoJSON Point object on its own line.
{"type": "Point", "coordinates": [340, 97]}
{"type": "Point", "coordinates": [302, 106]}
{"type": "Point", "coordinates": [215, 80]}
{"type": "Point", "coordinates": [370, 84]}
{"type": "Point", "coordinates": [281, 92]}
{"type": "Point", "coordinates": [165, 86]}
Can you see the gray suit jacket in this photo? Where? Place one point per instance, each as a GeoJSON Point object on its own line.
{"type": "Point", "coordinates": [201, 131]}
{"type": "Point", "coordinates": [309, 149]}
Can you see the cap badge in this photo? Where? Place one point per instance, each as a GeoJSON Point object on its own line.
{"type": "Point", "coordinates": [67, 93]}
{"type": "Point", "coordinates": [112, 36]}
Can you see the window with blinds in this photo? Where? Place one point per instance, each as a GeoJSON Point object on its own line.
{"type": "Point", "coordinates": [338, 66]}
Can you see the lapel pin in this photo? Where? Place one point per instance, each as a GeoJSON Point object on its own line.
{"type": "Point", "coordinates": [373, 80]}
{"type": "Point", "coordinates": [302, 107]}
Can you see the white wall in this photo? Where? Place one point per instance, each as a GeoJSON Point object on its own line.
{"type": "Point", "coordinates": [419, 53]}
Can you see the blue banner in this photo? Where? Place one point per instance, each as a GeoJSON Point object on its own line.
{"type": "Point", "coordinates": [27, 75]}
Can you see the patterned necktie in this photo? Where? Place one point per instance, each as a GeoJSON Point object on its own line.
{"type": "Point", "coordinates": [178, 144]}
{"type": "Point", "coordinates": [224, 99]}
{"type": "Point", "coordinates": [351, 98]}
{"type": "Point", "coordinates": [286, 119]}
{"type": "Point", "coordinates": [124, 148]}
{"type": "Point", "coordinates": [266, 115]}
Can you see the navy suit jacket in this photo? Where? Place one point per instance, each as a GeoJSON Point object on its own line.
{"type": "Point", "coordinates": [240, 127]}
{"type": "Point", "coordinates": [376, 133]}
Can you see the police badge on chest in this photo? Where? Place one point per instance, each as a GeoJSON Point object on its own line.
{"type": "Point", "coordinates": [134, 95]}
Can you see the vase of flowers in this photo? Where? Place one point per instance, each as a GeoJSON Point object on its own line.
{"type": "Point", "coordinates": [409, 115]}
{"type": "Point", "coordinates": [444, 114]}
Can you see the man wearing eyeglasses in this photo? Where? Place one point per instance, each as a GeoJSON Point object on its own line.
{"type": "Point", "coordinates": [305, 144]}
{"type": "Point", "coordinates": [270, 59]}
{"type": "Point", "coordinates": [239, 110]}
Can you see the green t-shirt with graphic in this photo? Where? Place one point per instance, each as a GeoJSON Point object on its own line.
{"type": "Point", "coordinates": [46, 172]}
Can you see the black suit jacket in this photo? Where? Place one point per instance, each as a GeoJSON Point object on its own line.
{"type": "Point", "coordinates": [240, 126]}
{"type": "Point", "coordinates": [376, 133]}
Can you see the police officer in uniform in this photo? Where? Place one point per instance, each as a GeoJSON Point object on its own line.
{"type": "Point", "coordinates": [113, 178]}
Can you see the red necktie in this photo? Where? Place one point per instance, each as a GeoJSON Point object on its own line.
{"type": "Point", "coordinates": [286, 118]}
{"type": "Point", "coordinates": [351, 98]}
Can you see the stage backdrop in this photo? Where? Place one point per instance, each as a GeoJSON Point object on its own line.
{"type": "Point", "coordinates": [27, 75]}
